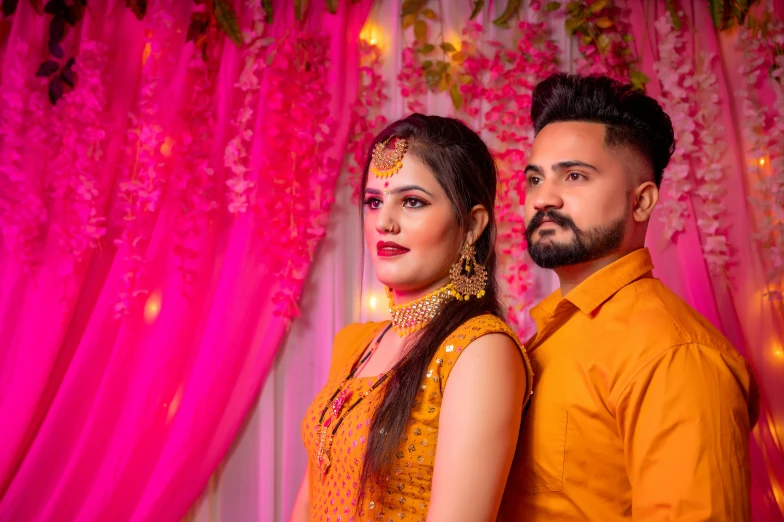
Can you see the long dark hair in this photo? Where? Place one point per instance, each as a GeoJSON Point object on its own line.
{"type": "Point", "coordinates": [465, 169]}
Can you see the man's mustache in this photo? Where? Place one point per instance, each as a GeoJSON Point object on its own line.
{"type": "Point", "coordinates": [552, 215]}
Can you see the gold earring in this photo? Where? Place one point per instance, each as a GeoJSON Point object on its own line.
{"type": "Point", "coordinates": [467, 276]}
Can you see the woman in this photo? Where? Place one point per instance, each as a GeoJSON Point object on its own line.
{"type": "Point", "coordinates": [429, 189]}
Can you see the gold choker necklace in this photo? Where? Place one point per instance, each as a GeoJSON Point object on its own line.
{"type": "Point", "coordinates": [412, 317]}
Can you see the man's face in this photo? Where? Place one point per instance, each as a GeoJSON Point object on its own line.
{"type": "Point", "coordinates": [577, 206]}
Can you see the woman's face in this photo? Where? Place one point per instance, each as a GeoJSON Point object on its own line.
{"type": "Point", "coordinates": [411, 229]}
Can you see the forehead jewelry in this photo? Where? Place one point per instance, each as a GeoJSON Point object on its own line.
{"type": "Point", "coordinates": [387, 161]}
{"type": "Point", "coordinates": [386, 188]}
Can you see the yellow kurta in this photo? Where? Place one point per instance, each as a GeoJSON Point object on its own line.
{"type": "Point", "coordinates": [641, 409]}
{"type": "Point", "coordinates": [406, 494]}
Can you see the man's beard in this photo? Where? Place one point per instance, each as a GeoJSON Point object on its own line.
{"type": "Point", "coordinates": [584, 247]}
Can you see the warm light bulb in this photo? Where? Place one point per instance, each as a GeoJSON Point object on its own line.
{"type": "Point", "coordinates": [762, 162]}
{"type": "Point", "coordinates": [372, 302]}
{"type": "Point", "coordinates": [152, 307]}
{"type": "Point", "coordinates": [166, 147]}
{"type": "Point", "coordinates": [369, 34]}
{"type": "Point", "coordinates": [779, 353]}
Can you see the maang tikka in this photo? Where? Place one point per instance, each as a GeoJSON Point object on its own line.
{"type": "Point", "coordinates": [468, 277]}
{"type": "Point", "coordinates": [386, 162]}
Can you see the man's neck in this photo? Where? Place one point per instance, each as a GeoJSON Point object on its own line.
{"type": "Point", "coordinates": [572, 275]}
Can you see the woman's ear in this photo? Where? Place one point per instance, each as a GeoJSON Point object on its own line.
{"type": "Point", "coordinates": [478, 222]}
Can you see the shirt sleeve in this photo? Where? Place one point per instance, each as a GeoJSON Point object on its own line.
{"type": "Point", "coordinates": [684, 422]}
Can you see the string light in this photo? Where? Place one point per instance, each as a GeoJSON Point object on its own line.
{"type": "Point", "coordinates": [370, 34]}
{"type": "Point", "coordinates": [762, 162]}
{"type": "Point", "coordinates": [152, 307]}
{"type": "Point", "coordinates": [372, 302]}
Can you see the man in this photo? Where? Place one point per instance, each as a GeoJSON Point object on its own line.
{"type": "Point", "coordinates": [641, 409]}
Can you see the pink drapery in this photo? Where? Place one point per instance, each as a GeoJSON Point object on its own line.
{"type": "Point", "coordinates": [125, 419]}
{"type": "Point", "coordinates": [734, 303]}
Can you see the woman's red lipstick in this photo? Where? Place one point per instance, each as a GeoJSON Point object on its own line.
{"type": "Point", "coordinates": [390, 249]}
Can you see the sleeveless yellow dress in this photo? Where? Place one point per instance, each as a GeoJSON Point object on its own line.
{"type": "Point", "coordinates": [405, 495]}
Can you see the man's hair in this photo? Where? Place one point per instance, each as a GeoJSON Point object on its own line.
{"type": "Point", "coordinates": [633, 119]}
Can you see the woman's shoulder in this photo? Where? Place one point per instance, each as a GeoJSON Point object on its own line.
{"type": "Point", "coordinates": [470, 331]}
{"type": "Point", "coordinates": [481, 325]}
{"type": "Point", "coordinates": [349, 341]}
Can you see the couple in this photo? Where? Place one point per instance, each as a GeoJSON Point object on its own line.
{"type": "Point", "coordinates": [640, 409]}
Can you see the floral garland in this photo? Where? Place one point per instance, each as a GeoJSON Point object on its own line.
{"type": "Point", "coordinates": [411, 79]}
{"type": "Point", "coordinates": [22, 211]}
{"type": "Point", "coordinates": [710, 171]}
{"type": "Point", "coordinates": [240, 187]}
{"type": "Point", "coordinates": [75, 171]}
{"type": "Point", "coordinates": [194, 178]}
{"type": "Point", "coordinates": [366, 118]}
{"type": "Point", "coordinates": [504, 82]}
{"type": "Point", "coordinates": [299, 184]}
{"type": "Point", "coordinates": [676, 73]}
{"type": "Point", "coordinates": [764, 52]}
{"type": "Point", "coordinates": [143, 183]}
{"type": "Point", "coordinates": [604, 39]}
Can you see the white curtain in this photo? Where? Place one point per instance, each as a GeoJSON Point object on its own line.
{"type": "Point", "coordinates": [259, 480]}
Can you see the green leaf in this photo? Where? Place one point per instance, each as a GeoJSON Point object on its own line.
{"type": "Point", "coordinates": [574, 8]}
{"type": "Point", "coordinates": [412, 6]}
{"type": "Point", "coordinates": [408, 20]}
{"type": "Point", "coordinates": [717, 13]}
{"type": "Point", "coordinates": [598, 6]}
{"type": "Point", "coordinates": [478, 6]}
{"type": "Point", "coordinates": [427, 48]}
{"type": "Point", "coordinates": [420, 30]}
{"type": "Point", "coordinates": [511, 10]}
{"type": "Point", "coordinates": [604, 23]}
{"type": "Point", "coordinates": [432, 77]}
{"type": "Point", "coordinates": [447, 47]}
{"type": "Point", "coordinates": [429, 13]}
{"type": "Point", "coordinates": [675, 18]}
{"type": "Point", "coordinates": [456, 95]}
{"type": "Point", "coordinates": [427, 64]}
{"type": "Point", "coordinates": [459, 57]}
{"type": "Point", "coordinates": [603, 43]}
{"type": "Point", "coordinates": [227, 20]}
{"type": "Point", "coordinates": [332, 6]}
{"type": "Point", "coordinates": [571, 25]}
{"type": "Point", "coordinates": [9, 7]}
{"type": "Point", "coordinates": [300, 8]}
{"type": "Point", "coordinates": [639, 79]}
{"type": "Point", "coordinates": [628, 38]}
{"type": "Point", "coordinates": [267, 5]}
{"type": "Point", "coordinates": [552, 6]}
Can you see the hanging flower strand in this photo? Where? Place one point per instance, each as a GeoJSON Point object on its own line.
{"type": "Point", "coordinates": [297, 169]}
{"type": "Point", "coordinates": [676, 75]}
{"type": "Point", "coordinates": [710, 171]}
{"type": "Point", "coordinates": [502, 84]}
{"type": "Point", "coordinates": [194, 177]}
{"type": "Point", "coordinates": [75, 171]}
{"type": "Point", "coordinates": [144, 174]}
{"type": "Point", "coordinates": [366, 117]}
{"type": "Point", "coordinates": [22, 211]}
{"type": "Point", "coordinates": [239, 184]}
{"type": "Point", "coordinates": [763, 133]}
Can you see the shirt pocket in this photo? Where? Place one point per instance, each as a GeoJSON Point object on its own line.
{"type": "Point", "coordinates": [542, 450]}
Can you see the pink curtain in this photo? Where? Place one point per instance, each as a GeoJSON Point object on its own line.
{"type": "Point", "coordinates": [733, 301]}
{"type": "Point", "coordinates": [108, 415]}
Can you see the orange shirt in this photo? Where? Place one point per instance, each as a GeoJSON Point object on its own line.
{"type": "Point", "coordinates": [334, 496]}
{"type": "Point", "coordinates": [641, 409]}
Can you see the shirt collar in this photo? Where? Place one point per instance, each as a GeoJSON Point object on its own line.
{"type": "Point", "coordinates": [599, 287]}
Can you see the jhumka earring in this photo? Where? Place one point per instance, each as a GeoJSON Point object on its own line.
{"type": "Point", "coordinates": [386, 162]}
{"type": "Point", "coordinates": [468, 277]}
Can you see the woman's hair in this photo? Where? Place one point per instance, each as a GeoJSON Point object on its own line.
{"type": "Point", "coordinates": [464, 167]}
